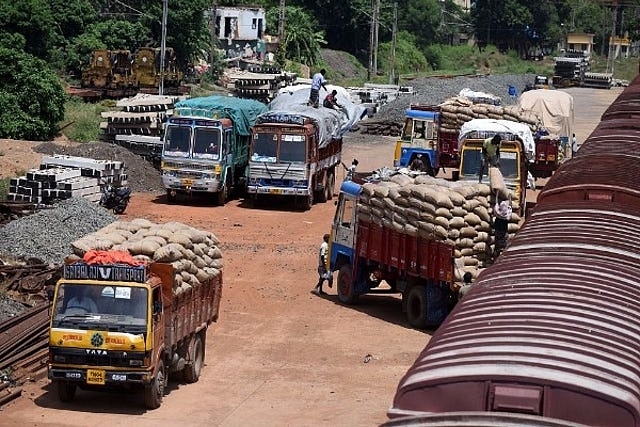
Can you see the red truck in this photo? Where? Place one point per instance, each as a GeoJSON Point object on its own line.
{"type": "Point", "coordinates": [142, 327]}
{"type": "Point", "coordinates": [366, 253]}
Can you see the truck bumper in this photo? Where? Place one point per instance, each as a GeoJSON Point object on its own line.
{"type": "Point", "coordinates": [99, 377]}
{"type": "Point", "coordinates": [188, 185]}
{"type": "Point", "coordinates": [278, 191]}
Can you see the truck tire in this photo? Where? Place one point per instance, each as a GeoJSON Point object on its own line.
{"type": "Point", "coordinates": [196, 349]}
{"type": "Point", "coordinates": [154, 392]}
{"type": "Point", "coordinates": [309, 202]}
{"type": "Point", "coordinates": [323, 194]}
{"type": "Point", "coordinates": [171, 197]}
{"type": "Point", "coordinates": [417, 307]}
{"type": "Point", "coordinates": [332, 184]}
{"type": "Point", "coordinates": [66, 390]}
{"type": "Point", "coordinates": [223, 193]}
{"type": "Point", "coordinates": [346, 293]}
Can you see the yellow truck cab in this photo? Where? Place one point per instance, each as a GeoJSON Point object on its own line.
{"type": "Point", "coordinates": [516, 152]}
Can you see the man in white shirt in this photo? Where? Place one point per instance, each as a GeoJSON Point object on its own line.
{"type": "Point", "coordinates": [323, 266]}
{"type": "Point", "coordinates": [317, 82]}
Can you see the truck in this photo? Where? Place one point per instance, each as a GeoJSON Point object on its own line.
{"type": "Point", "coordinates": [367, 254]}
{"type": "Point", "coordinates": [554, 108]}
{"type": "Point", "coordinates": [516, 155]}
{"type": "Point", "coordinates": [148, 320]}
{"type": "Point", "coordinates": [206, 146]}
{"type": "Point", "coordinates": [296, 148]}
{"type": "Point", "coordinates": [422, 134]}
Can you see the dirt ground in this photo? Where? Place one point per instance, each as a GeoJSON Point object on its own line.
{"type": "Point", "coordinates": [278, 355]}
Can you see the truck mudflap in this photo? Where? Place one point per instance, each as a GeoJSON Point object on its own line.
{"type": "Point", "coordinates": [99, 377]}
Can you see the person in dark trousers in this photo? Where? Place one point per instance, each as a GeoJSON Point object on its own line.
{"type": "Point", "coordinates": [574, 145]}
{"type": "Point", "coordinates": [490, 154]}
{"type": "Point", "coordinates": [317, 82]}
{"type": "Point", "coordinates": [323, 266]}
{"type": "Point", "coordinates": [502, 213]}
{"type": "Point", "coordinates": [466, 286]}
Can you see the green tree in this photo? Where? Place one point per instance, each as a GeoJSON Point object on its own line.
{"type": "Point", "coordinates": [31, 97]}
{"type": "Point", "coordinates": [302, 39]}
{"type": "Point", "coordinates": [408, 58]}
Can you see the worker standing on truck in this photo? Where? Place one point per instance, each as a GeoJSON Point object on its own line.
{"type": "Point", "coordinates": [317, 82]}
{"type": "Point", "coordinates": [490, 154]}
{"type": "Point", "coordinates": [323, 266]}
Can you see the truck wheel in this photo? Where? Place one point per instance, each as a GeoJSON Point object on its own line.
{"type": "Point", "coordinates": [66, 391]}
{"type": "Point", "coordinates": [192, 371]}
{"type": "Point", "coordinates": [223, 194]}
{"type": "Point", "coordinates": [346, 293]}
{"type": "Point", "coordinates": [332, 185]}
{"type": "Point", "coordinates": [309, 202]}
{"type": "Point", "coordinates": [417, 307]}
{"type": "Point", "coordinates": [171, 197]}
{"type": "Point", "coordinates": [154, 392]}
{"type": "Point", "coordinates": [322, 195]}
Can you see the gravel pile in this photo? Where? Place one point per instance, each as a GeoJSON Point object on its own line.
{"type": "Point", "coordinates": [434, 90]}
{"type": "Point", "coordinates": [141, 175]}
{"type": "Point", "coordinates": [48, 233]}
{"type": "Point", "coordinates": [10, 308]}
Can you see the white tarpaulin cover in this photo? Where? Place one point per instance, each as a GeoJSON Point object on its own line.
{"type": "Point", "coordinates": [489, 127]}
{"type": "Point", "coordinates": [554, 108]}
{"type": "Point", "coordinates": [292, 101]}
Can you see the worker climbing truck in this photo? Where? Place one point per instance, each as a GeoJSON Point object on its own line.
{"type": "Point", "coordinates": [149, 314]}
{"type": "Point", "coordinates": [516, 155]}
{"type": "Point", "coordinates": [422, 134]}
{"type": "Point", "coordinates": [366, 250]}
{"type": "Point", "coordinates": [206, 146]}
{"type": "Point", "coordinates": [296, 149]}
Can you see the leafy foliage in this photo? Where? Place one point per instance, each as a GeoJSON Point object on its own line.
{"type": "Point", "coordinates": [31, 97]}
{"type": "Point", "coordinates": [302, 41]}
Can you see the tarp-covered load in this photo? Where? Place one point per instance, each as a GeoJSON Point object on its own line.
{"type": "Point", "coordinates": [554, 108]}
{"type": "Point", "coordinates": [491, 127]}
{"type": "Point", "coordinates": [290, 106]}
{"type": "Point", "coordinates": [243, 112]}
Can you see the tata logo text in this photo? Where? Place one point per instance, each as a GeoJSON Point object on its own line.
{"type": "Point", "coordinates": [96, 352]}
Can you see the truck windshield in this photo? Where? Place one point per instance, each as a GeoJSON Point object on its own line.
{"type": "Point", "coordinates": [206, 144]}
{"type": "Point", "coordinates": [471, 160]}
{"type": "Point", "coordinates": [176, 141]}
{"type": "Point", "coordinates": [293, 148]}
{"type": "Point", "coordinates": [265, 147]}
{"type": "Point", "coordinates": [81, 306]}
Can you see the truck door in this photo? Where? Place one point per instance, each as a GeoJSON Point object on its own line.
{"type": "Point", "coordinates": [344, 228]}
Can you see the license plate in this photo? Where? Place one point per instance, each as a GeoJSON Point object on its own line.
{"type": "Point", "coordinates": [119, 377]}
{"type": "Point", "coordinates": [275, 191]}
{"type": "Point", "coordinates": [95, 376]}
{"type": "Point", "coordinates": [187, 182]}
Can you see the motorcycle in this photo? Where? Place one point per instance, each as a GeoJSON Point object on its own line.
{"type": "Point", "coordinates": [115, 197]}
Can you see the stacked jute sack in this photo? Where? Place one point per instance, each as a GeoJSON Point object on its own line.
{"type": "Point", "coordinates": [458, 110]}
{"type": "Point", "coordinates": [194, 253]}
{"type": "Point", "coordinates": [456, 212]}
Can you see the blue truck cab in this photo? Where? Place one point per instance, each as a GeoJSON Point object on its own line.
{"type": "Point", "coordinates": [419, 137]}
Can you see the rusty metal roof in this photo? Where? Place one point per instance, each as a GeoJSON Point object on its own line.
{"type": "Point", "coordinates": [541, 334]}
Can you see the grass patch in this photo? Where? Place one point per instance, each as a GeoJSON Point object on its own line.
{"type": "Point", "coordinates": [82, 119]}
{"type": "Point", "coordinates": [4, 188]}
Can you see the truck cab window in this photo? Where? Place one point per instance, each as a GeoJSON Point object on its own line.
{"type": "Point", "coordinates": [292, 148]}
{"type": "Point", "coordinates": [265, 146]}
{"type": "Point", "coordinates": [347, 215]}
{"type": "Point", "coordinates": [407, 131]}
{"type": "Point", "coordinates": [177, 139]}
{"type": "Point", "coordinates": [206, 143]}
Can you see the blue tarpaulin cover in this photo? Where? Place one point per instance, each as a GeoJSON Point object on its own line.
{"type": "Point", "coordinates": [243, 112]}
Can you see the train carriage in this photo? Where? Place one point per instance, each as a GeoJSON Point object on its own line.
{"type": "Point", "coordinates": [550, 333]}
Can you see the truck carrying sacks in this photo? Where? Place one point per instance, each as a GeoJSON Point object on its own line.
{"type": "Point", "coordinates": [457, 212]}
{"type": "Point", "coordinates": [133, 308]}
{"type": "Point", "coordinates": [194, 254]}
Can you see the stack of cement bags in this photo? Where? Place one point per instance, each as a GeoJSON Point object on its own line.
{"type": "Point", "coordinates": [458, 110]}
{"type": "Point", "coordinates": [194, 254]}
{"type": "Point", "coordinates": [459, 213]}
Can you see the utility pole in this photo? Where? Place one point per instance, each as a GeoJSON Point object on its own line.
{"type": "Point", "coordinates": [281, 22]}
{"type": "Point", "coordinates": [371, 41]}
{"type": "Point", "coordinates": [612, 46]}
{"type": "Point", "coordinates": [394, 30]}
{"type": "Point", "coordinates": [163, 45]}
{"type": "Point", "coordinates": [376, 14]}
{"type": "Point", "coordinates": [214, 31]}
